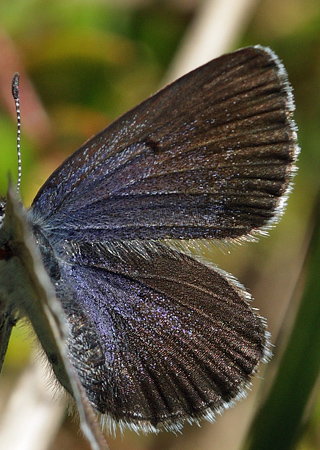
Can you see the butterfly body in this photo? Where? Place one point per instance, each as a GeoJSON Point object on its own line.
{"type": "Point", "coordinates": [155, 336]}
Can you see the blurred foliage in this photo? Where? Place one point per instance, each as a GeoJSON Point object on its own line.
{"type": "Point", "coordinates": [301, 362]}
{"type": "Point", "coordinates": [89, 62]}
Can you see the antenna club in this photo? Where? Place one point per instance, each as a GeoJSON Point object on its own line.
{"type": "Point", "coordinates": [15, 93]}
{"type": "Point", "coordinates": [15, 85]}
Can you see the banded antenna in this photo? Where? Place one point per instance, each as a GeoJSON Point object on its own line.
{"type": "Point", "coordinates": [15, 94]}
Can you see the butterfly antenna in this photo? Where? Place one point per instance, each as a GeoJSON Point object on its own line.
{"type": "Point", "coordinates": [15, 93]}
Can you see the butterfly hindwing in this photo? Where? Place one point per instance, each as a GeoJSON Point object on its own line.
{"type": "Point", "coordinates": [155, 336]}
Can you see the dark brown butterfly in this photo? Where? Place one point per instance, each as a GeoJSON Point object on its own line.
{"type": "Point", "coordinates": [155, 336]}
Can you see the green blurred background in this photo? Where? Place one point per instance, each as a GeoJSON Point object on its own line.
{"type": "Point", "coordinates": [82, 64]}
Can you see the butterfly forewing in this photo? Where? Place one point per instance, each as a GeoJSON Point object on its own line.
{"type": "Point", "coordinates": [208, 156]}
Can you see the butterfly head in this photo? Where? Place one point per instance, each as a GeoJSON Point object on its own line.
{"type": "Point", "coordinates": [2, 210]}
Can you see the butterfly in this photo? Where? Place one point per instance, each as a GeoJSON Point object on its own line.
{"type": "Point", "coordinates": [155, 336]}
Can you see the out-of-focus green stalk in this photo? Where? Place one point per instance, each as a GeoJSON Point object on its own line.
{"type": "Point", "coordinates": [278, 424]}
